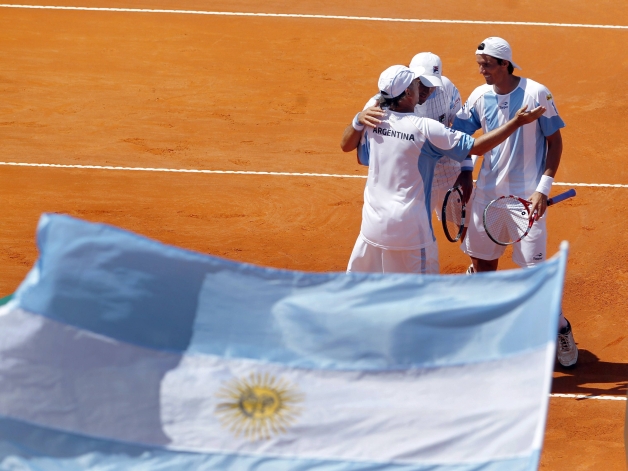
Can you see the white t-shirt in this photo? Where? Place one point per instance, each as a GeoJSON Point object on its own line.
{"type": "Point", "coordinates": [514, 167]}
{"type": "Point", "coordinates": [402, 152]}
{"type": "Point", "coordinates": [442, 106]}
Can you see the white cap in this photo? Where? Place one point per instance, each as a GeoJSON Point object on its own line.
{"type": "Point", "coordinates": [498, 48]}
{"type": "Point", "coordinates": [433, 68]}
{"type": "Point", "coordinates": [395, 79]}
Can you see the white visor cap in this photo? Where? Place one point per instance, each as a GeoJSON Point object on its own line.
{"type": "Point", "coordinates": [394, 80]}
{"type": "Point", "coordinates": [498, 48]}
{"type": "Point", "coordinates": [433, 67]}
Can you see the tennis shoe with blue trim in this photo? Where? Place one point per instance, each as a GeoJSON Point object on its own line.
{"type": "Point", "coordinates": [566, 349]}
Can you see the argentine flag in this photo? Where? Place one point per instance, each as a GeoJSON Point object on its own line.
{"type": "Point", "coordinates": [120, 353]}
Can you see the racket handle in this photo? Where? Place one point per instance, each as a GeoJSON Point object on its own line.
{"type": "Point", "coordinates": [562, 197]}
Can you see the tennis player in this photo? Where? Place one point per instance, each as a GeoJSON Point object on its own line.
{"type": "Point", "coordinates": [524, 165]}
{"type": "Point", "coordinates": [439, 99]}
{"type": "Point", "coordinates": [396, 234]}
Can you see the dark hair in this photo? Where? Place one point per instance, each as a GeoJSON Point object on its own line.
{"type": "Point", "coordinates": [511, 69]}
{"type": "Point", "coordinates": [388, 102]}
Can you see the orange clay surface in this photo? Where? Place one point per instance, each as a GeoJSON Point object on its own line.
{"type": "Point", "coordinates": [274, 94]}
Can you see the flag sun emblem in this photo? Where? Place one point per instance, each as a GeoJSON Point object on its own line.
{"type": "Point", "coordinates": [258, 407]}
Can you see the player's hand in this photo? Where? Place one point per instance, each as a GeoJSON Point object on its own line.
{"type": "Point", "coordinates": [525, 117]}
{"type": "Point", "coordinates": [538, 206]}
{"type": "Point", "coordinates": [465, 181]}
{"type": "Point", "coordinates": [371, 116]}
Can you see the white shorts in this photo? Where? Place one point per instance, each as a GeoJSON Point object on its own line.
{"type": "Point", "coordinates": [367, 258]}
{"type": "Point", "coordinates": [527, 253]}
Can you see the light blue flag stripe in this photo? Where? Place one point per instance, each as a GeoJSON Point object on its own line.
{"type": "Point", "coordinates": [373, 321]}
{"type": "Point", "coordinates": [27, 447]}
{"type": "Point", "coordinates": [133, 285]}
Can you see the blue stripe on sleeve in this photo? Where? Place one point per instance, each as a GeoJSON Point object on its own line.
{"type": "Point", "coordinates": [364, 151]}
{"type": "Point", "coordinates": [550, 125]}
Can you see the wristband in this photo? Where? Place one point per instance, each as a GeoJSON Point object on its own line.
{"type": "Point", "coordinates": [356, 124]}
{"type": "Point", "coordinates": [545, 185]}
{"type": "Point", "coordinates": [466, 165]}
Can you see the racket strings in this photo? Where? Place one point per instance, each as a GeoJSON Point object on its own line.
{"type": "Point", "coordinates": [507, 220]}
{"type": "Point", "coordinates": [453, 213]}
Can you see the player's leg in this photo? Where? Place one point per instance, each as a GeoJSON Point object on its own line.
{"type": "Point", "coordinates": [365, 258]}
{"type": "Point", "coordinates": [479, 265]}
{"type": "Point", "coordinates": [421, 261]}
{"type": "Point", "coordinates": [484, 253]}
{"type": "Point", "coordinates": [527, 253]}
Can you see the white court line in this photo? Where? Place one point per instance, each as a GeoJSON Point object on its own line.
{"type": "Point", "coordinates": [247, 172]}
{"type": "Point", "coordinates": [180, 170]}
{"type": "Point", "coordinates": [582, 396]}
{"type": "Point", "coordinates": [330, 17]}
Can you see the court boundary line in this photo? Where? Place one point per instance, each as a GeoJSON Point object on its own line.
{"type": "Point", "coordinates": [245, 172]}
{"type": "Point", "coordinates": [584, 396]}
{"type": "Point", "coordinates": [313, 16]}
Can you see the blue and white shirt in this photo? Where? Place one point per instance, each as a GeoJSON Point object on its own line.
{"type": "Point", "coordinates": [402, 152]}
{"type": "Point", "coordinates": [515, 166]}
{"type": "Point", "coordinates": [442, 105]}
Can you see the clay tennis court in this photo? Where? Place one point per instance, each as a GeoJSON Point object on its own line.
{"type": "Point", "coordinates": [252, 94]}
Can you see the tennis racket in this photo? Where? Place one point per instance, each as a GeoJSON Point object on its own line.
{"type": "Point", "coordinates": [507, 219]}
{"type": "Point", "coordinates": [453, 214]}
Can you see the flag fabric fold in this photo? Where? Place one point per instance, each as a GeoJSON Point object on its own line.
{"type": "Point", "coordinates": [119, 352]}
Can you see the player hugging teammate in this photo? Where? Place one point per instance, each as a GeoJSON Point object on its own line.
{"type": "Point", "coordinates": [408, 178]}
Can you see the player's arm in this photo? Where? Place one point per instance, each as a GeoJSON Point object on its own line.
{"type": "Point", "coordinates": [459, 145]}
{"type": "Point", "coordinates": [368, 117]}
{"type": "Point", "coordinates": [552, 161]}
{"type": "Point", "coordinates": [465, 181]}
{"type": "Point", "coordinates": [492, 139]}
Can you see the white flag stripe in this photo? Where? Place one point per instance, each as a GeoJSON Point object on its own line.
{"type": "Point", "coordinates": [403, 417]}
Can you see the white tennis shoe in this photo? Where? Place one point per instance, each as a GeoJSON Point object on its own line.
{"type": "Point", "coordinates": [470, 270]}
{"type": "Point", "coordinates": [566, 349]}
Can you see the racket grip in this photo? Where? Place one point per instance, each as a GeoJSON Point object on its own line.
{"type": "Point", "coordinates": [562, 197]}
